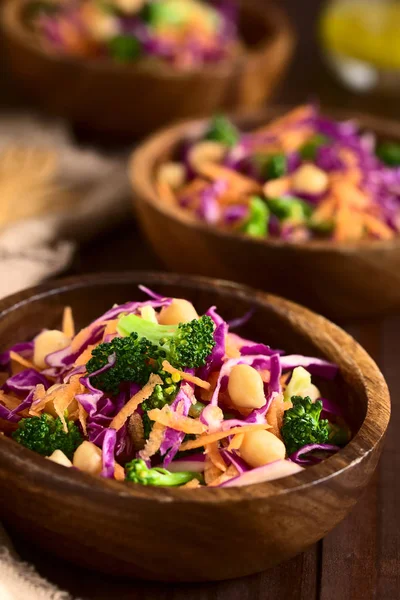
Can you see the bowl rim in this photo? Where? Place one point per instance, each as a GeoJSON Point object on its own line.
{"type": "Point", "coordinates": [275, 15]}
{"type": "Point", "coordinates": [145, 155]}
{"type": "Point", "coordinates": [363, 443]}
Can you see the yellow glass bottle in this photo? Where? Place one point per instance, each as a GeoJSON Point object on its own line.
{"type": "Point", "coordinates": [361, 39]}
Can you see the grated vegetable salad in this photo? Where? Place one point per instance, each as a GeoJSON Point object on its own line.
{"type": "Point", "coordinates": [151, 393]}
{"type": "Point", "coordinates": [183, 33]}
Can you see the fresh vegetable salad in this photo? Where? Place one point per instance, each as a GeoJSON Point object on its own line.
{"type": "Point", "coordinates": [152, 393]}
{"type": "Point", "coordinates": [184, 33]}
{"type": "Point", "coordinates": [302, 176]}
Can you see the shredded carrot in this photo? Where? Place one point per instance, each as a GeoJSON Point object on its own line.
{"type": "Point", "coordinates": [277, 187]}
{"type": "Point", "coordinates": [165, 416]}
{"type": "Point", "coordinates": [211, 472]}
{"type": "Point", "coordinates": [83, 335]}
{"type": "Point", "coordinates": [206, 395]}
{"type": "Point", "coordinates": [82, 416]}
{"type": "Point", "coordinates": [213, 453]}
{"type": "Point", "coordinates": [230, 473]}
{"type": "Point", "coordinates": [231, 348]}
{"type": "Point", "coordinates": [111, 328]}
{"type": "Point", "coordinates": [349, 224]}
{"type": "Point", "coordinates": [187, 376]}
{"type": "Point", "coordinates": [41, 397]}
{"type": "Point", "coordinates": [154, 442]}
{"type": "Point", "coordinates": [84, 357]}
{"type": "Point", "coordinates": [166, 193]}
{"type": "Point", "coordinates": [378, 228]}
{"type": "Point", "coordinates": [119, 472]}
{"type": "Point", "coordinates": [9, 401]}
{"type": "Point", "coordinates": [68, 325]}
{"type": "Point", "coordinates": [236, 441]}
{"type": "Point", "coordinates": [61, 395]}
{"type": "Point", "coordinates": [240, 183]}
{"type": "Point", "coordinates": [132, 404]}
{"type": "Point", "coordinates": [275, 415]}
{"type": "Point", "coordinates": [190, 192]}
{"type": "Point", "coordinates": [348, 193]}
{"type": "Point", "coordinates": [21, 360]}
{"type": "Point", "coordinates": [299, 113]}
{"type": "Point", "coordinates": [293, 139]}
{"type": "Point", "coordinates": [220, 435]}
{"type": "Point", "coordinates": [65, 397]}
{"type": "Point", "coordinates": [192, 484]}
{"type": "Point", "coordinates": [325, 210]}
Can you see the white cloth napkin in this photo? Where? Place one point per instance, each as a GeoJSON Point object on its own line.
{"type": "Point", "coordinates": [20, 581]}
{"type": "Point", "coordinates": [42, 246]}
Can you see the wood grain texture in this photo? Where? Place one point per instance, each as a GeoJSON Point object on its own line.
{"type": "Point", "coordinates": [177, 534]}
{"type": "Point", "coordinates": [341, 280]}
{"type": "Point", "coordinates": [128, 100]}
{"type": "Point", "coordinates": [301, 577]}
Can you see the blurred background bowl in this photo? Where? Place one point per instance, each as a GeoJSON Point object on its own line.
{"type": "Point", "coordinates": [341, 280]}
{"type": "Point", "coordinates": [108, 97]}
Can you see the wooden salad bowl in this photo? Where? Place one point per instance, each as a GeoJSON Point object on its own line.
{"type": "Point", "coordinates": [182, 534]}
{"type": "Point", "coordinates": [105, 96]}
{"type": "Point", "coordinates": [341, 280]}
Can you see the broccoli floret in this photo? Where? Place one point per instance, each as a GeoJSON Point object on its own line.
{"type": "Point", "coordinates": [183, 345]}
{"type": "Point", "coordinates": [309, 150]}
{"type": "Point", "coordinates": [290, 208]}
{"type": "Point", "coordinates": [223, 131]}
{"type": "Point", "coordinates": [389, 153]}
{"type": "Point", "coordinates": [45, 434]}
{"type": "Point", "coordinates": [124, 48]}
{"type": "Point", "coordinates": [272, 166]}
{"type": "Point", "coordinates": [302, 424]}
{"type": "Point", "coordinates": [162, 395]}
{"type": "Point", "coordinates": [132, 362]}
{"type": "Point", "coordinates": [257, 223]}
{"type": "Point", "coordinates": [173, 13]}
{"type": "Point", "coordinates": [137, 471]}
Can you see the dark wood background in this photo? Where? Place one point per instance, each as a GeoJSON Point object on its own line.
{"type": "Point", "coordinates": [360, 559]}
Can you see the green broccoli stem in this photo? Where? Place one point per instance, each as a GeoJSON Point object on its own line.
{"type": "Point", "coordinates": [257, 222]}
{"type": "Point", "coordinates": [155, 333]}
{"type": "Point", "coordinates": [183, 345]}
{"type": "Point", "coordinates": [137, 471]}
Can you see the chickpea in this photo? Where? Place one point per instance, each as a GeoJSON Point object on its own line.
{"type": "Point", "coordinates": [261, 447]}
{"type": "Point", "coordinates": [46, 343]}
{"type": "Point", "coordinates": [59, 457]}
{"type": "Point", "coordinates": [101, 25]}
{"type": "Point", "coordinates": [245, 387]}
{"type": "Point", "coordinates": [309, 179]}
{"type": "Point", "coordinates": [276, 187]}
{"type": "Point", "coordinates": [87, 458]}
{"type": "Point", "coordinates": [179, 311]}
{"type": "Point", "coordinates": [173, 173]}
{"type": "Point", "coordinates": [205, 152]}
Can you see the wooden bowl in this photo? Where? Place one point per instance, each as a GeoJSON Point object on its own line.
{"type": "Point", "coordinates": [191, 535]}
{"type": "Point", "coordinates": [341, 280]}
{"type": "Point", "coordinates": [105, 96]}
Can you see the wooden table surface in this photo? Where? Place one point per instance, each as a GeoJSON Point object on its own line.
{"type": "Point", "coordinates": [360, 559]}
